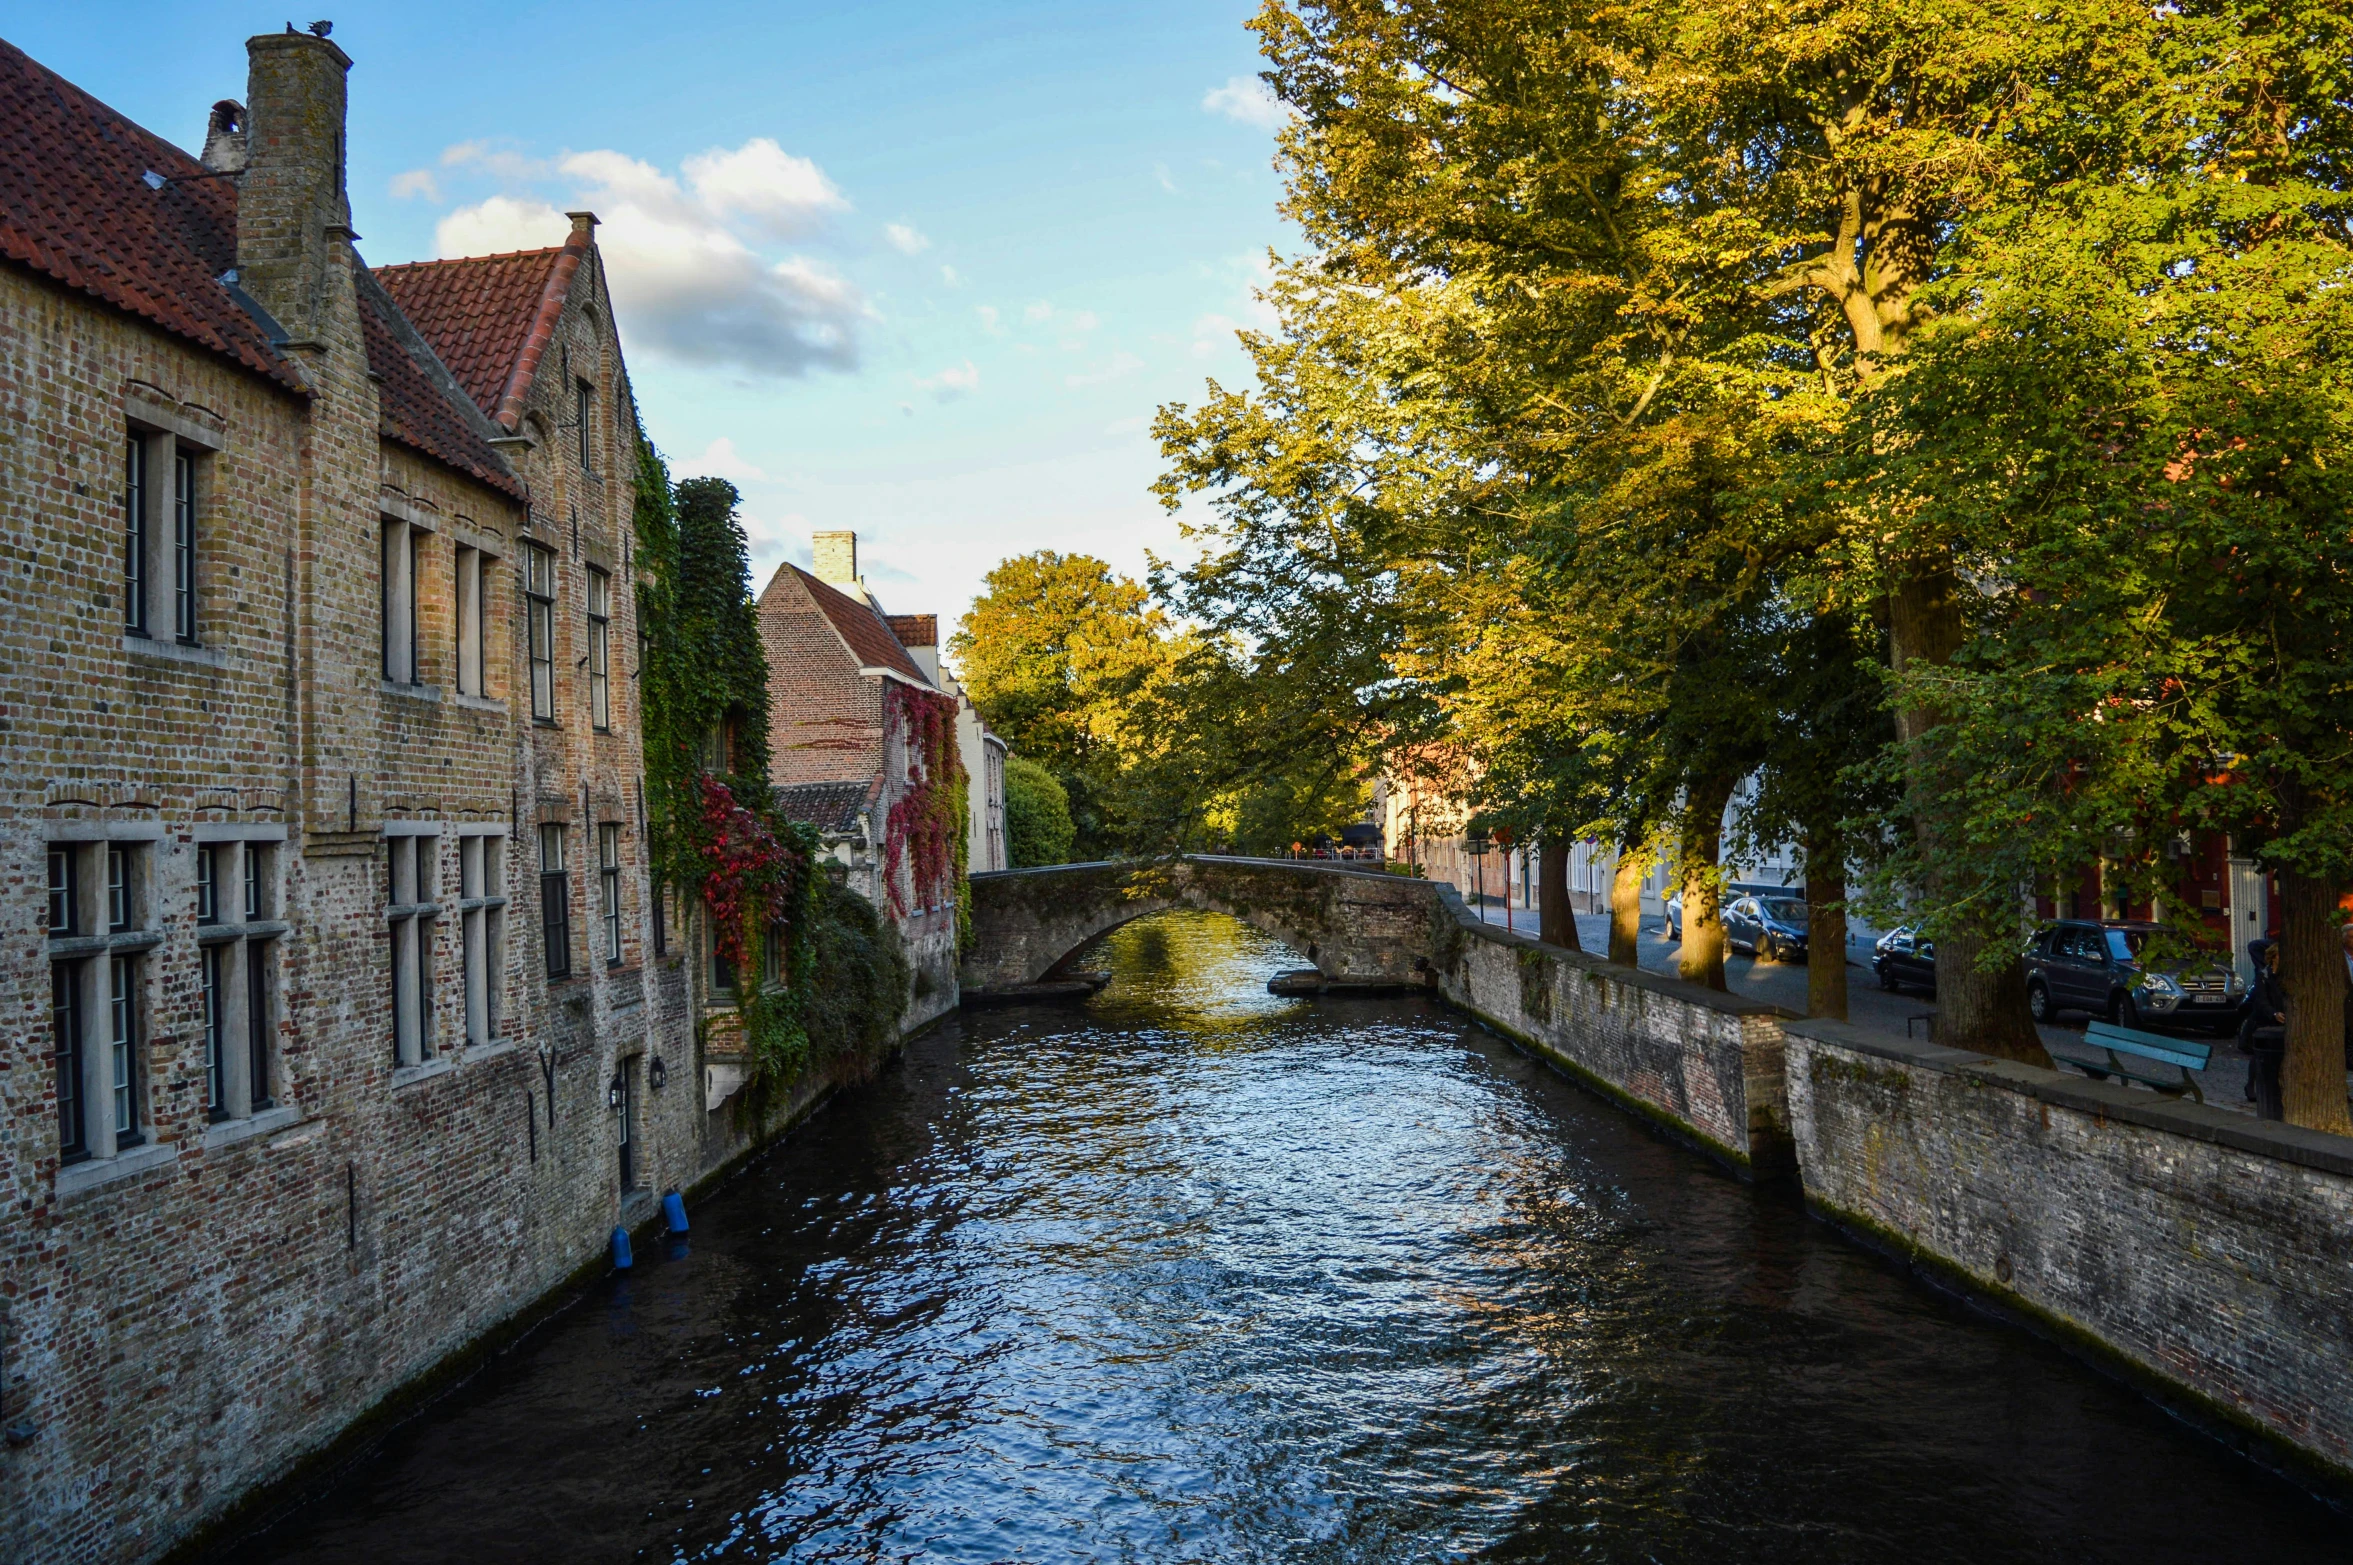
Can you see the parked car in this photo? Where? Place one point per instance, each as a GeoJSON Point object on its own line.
{"type": "Point", "coordinates": [2096, 968]}
{"type": "Point", "coordinates": [1732, 893]}
{"type": "Point", "coordinates": [1901, 959]}
{"type": "Point", "coordinates": [1773, 929]}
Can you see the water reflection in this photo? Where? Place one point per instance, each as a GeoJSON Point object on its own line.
{"type": "Point", "coordinates": [1197, 1273]}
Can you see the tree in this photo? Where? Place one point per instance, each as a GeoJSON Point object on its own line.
{"type": "Point", "coordinates": [1037, 815]}
{"type": "Point", "coordinates": [1054, 653]}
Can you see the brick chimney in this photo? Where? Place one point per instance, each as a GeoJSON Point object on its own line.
{"type": "Point", "coordinates": [292, 211]}
{"type": "Point", "coordinates": [836, 559]}
{"type": "Point", "coordinates": [224, 138]}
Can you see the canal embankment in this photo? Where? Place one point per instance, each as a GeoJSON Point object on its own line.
{"type": "Point", "coordinates": [2201, 1253]}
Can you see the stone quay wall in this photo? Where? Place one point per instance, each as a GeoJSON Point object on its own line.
{"type": "Point", "coordinates": [2203, 1252]}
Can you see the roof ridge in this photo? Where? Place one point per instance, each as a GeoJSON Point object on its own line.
{"type": "Point", "coordinates": [543, 324]}
{"type": "Point", "coordinates": [469, 260]}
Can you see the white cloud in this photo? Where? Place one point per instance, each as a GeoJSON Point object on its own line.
{"type": "Point", "coordinates": [417, 182]}
{"type": "Point", "coordinates": [720, 459]}
{"type": "Point", "coordinates": [1118, 367]}
{"type": "Point", "coordinates": [501, 162]}
{"type": "Point", "coordinates": [1040, 311]}
{"type": "Point", "coordinates": [905, 238]}
{"type": "Point", "coordinates": [1134, 425]}
{"type": "Point", "coordinates": [499, 224]}
{"type": "Point", "coordinates": [1212, 332]}
{"type": "Point", "coordinates": [1084, 320]}
{"type": "Point", "coordinates": [1160, 172]}
{"type": "Point", "coordinates": [953, 382]}
{"type": "Point", "coordinates": [765, 186]}
{"type": "Point", "coordinates": [948, 276]}
{"type": "Point", "coordinates": [685, 261]}
{"type": "Point", "coordinates": [989, 321]}
{"type": "Point", "coordinates": [1249, 100]}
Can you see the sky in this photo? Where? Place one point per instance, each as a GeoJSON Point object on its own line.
{"type": "Point", "coordinates": [920, 270]}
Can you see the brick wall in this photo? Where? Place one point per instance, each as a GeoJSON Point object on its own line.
{"type": "Point", "coordinates": [2203, 1250]}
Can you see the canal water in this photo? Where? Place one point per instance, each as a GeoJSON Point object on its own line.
{"type": "Point", "coordinates": [1194, 1273]}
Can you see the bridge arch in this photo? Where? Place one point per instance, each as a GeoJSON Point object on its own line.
{"type": "Point", "coordinates": [1355, 925]}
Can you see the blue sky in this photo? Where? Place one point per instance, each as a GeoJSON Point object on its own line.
{"type": "Point", "coordinates": [919, 269]}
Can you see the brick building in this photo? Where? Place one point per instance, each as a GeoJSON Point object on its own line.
{"type": "Point", "coordinates": [981, 750]}
{"type": "Point", "coordinates": [845, 699]}
{"type": "Point", "coordinates": [337, 1025]}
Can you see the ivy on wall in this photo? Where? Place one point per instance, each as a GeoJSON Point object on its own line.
{"type": "Point", "coordinates": [714, 833]}
{"type": "Point", "coordinates": [924, 839]}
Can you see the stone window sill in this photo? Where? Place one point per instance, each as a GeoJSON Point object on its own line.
{"type": "Point", "coordinates": [426, 693]}
{"type": "Point", "coordinates": [423, 1070]}
{"type": "Point", "coordinates": [477, 1053]}
{"type": "Point", "coordinates": [480, 704]}
{"type": "Point", "coordinates": [176, 652]}
{"type": "Point", "coordinates": [228, 1132]}
{"type": "Point", "coordinates": [81, 1178]}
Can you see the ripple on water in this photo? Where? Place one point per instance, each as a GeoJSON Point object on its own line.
{"type": "Point", "coordinates": [1200, 1273]}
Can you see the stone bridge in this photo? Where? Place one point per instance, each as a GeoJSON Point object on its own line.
{"type": "Point", "coordinates": [1355, 925]}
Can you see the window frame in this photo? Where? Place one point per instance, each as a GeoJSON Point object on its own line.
{"type": "Point", "coordinates": [472, 569]}
{"type": "Point", "coordinates": [397, 564]}
{"type": "Point", "coordinates": [539, 600]}
{"type": "Point", "coordinates": [600, 645]}
{"type": "Point", "coordinates": [101, 933]}
{"type": "Point", "coordinates": [608, 874]}
{"type": "Point", "coordinates": [584, 422]}
{"type": "Point", "coordinates": [412, 911]}
{"type": "Point", "coordinates": [555, 901]}
{"type": "Point", "coordinates": [184, 557]}
{"type": "Point", "coordinates": [237, 977]}
{"type": "Point", "coordinates": [482, 914]}
{"type": "Point", "coordinates": [137, 509]}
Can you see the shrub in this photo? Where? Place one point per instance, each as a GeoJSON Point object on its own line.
{"type": "Point", "coordinates": [1037, 814]}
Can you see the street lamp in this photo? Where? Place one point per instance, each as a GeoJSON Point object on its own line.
{"type": "Point", "coordinates": [1476, 845]}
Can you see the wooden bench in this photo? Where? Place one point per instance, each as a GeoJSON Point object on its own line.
{"type": "Point", "coordinates": [2187, 1054]}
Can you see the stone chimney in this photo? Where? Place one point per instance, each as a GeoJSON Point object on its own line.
{"type": "Point", "coordinates": [836, 558]}
{"type": "Point", "coordinates": [292, 212]}
{"type": "Point", "coordinates": [224, 138]}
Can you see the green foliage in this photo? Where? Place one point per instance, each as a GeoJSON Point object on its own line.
{"type": "Point", "coordinates": [715, 834]}
{"type": "Point", "coordinates": [852, 1017]}
{"type": "Point", "coordinates": [1037, 815]}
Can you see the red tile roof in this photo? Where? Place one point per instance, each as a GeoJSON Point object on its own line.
{"type": "Point", "coordinates": [914, 630]}
{"type": "Point", "coordinates": [75, 207]}
{"type": "Point", "coordinates": [856, 622]}
{"type": "Point", "coordinates": [491, 317]}
{"type": "Point", "coordinates": [419, 403]}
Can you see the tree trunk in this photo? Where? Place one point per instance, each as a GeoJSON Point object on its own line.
{"type": "Point", "coordinates": [1556, 920]}
{"type": "Point", "coordinates": [1701, 960]}
{"type": "Point", "coordinates": [1626, 906]}
{"type": "Point", "coordinates": [2312, 970]}
{"type": "Point", "coordinates": [1826, 924]}
{"type": "Point", "coordinates": [1977, 1007]}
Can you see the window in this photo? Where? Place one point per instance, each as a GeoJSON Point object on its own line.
{"type": "Point", "coordinates": [411, 876]}
{"type": "Point", "coordinates": [555, 902]}
{"type": "Point", "coordinates": [600, 638]}
{"type": "Point", "coordinates": [65, 1018]}
{"type": "Point", "coordinates": [722, 967]}
{"type": "Point", "coordinates": [216, 1032]}
{"type": "Point", "coordinates": [135, 535]}
{"type": "Point", "coordinates": [584, 421]}
{"type": "Point", "coordinates": [237, 942]}
{"type": "Point", "coordinates": [608, 876]}
{"type": "Point", "coordinates": [661, 920]}
{"type": "Point", "coordinates": [184, 546]}
{"type": "Point", "coordinates": [473, 598]}
{"type": "Point", "coordinates": [401, 542]}
{"type": "Point", "coordinates": [208, 882]}
{"type": "Point", "coordinates": [482, 929]}
{"type": "Point", "coordinates": [539, 589]}
{"type": "Point", "coordinates": [772, 952]}
{"type": "Point", "coordinates": [100, 934]}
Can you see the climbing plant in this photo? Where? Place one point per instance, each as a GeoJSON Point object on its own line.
{"type": "Point", "coordinates": [924, 849]}
{"type": "Point", "coordinates": [714, 832]}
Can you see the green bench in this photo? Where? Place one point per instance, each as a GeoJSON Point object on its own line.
{"type": "Point", "coordinates": [2133, 1045]}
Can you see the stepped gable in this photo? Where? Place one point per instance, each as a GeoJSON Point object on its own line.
{"type": "Point", "coordinates": [491, 317]}
{"type": "Point", "coordinates": [857, 623]}
{"type": "Point", "coordinates": [75, 207]}
{"type": "Point", "coordinates": [419, 403]}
